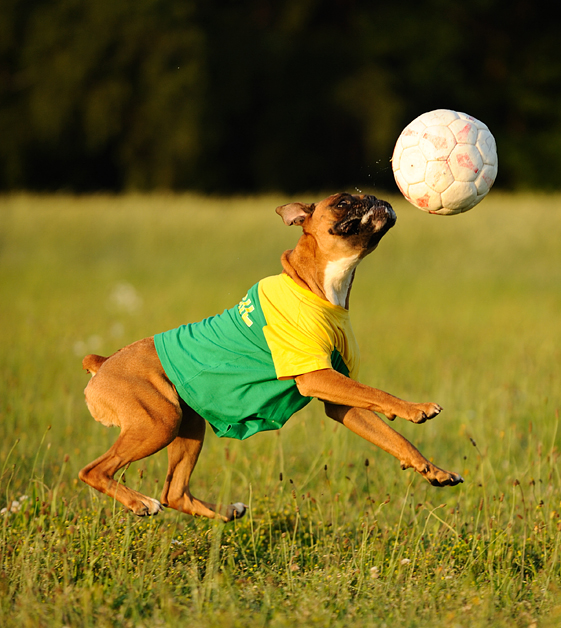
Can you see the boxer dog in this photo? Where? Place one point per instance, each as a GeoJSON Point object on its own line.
{"type": "Point", "coordinates": [249, 369]}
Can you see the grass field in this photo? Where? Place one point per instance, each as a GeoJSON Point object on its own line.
{"type": "Point", "coordinates": [463, 311]}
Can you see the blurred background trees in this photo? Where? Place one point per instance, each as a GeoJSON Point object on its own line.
{"type": "Point", "coordinates": [231, 96]}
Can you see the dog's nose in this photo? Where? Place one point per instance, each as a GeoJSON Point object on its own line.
{"type": "Point", "coordinates": [388, 209]}
{"type": "Point", "coordinates": [391, 213]}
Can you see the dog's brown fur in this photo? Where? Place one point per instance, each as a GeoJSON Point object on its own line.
{"type": "Point", "coordinates": [131, 390]}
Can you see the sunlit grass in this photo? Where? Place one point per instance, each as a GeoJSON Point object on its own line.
{"type": "Point", "coordinates": [463, 311]}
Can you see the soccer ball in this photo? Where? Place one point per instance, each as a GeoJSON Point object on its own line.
{"type": "Point", "coordinates": [445, 162]}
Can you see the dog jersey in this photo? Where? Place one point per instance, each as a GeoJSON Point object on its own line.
{"type": "Point", "coordinates": [237, 369]}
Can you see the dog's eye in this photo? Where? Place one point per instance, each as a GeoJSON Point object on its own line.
{"type": "Point", "coordinates": [344, 203]}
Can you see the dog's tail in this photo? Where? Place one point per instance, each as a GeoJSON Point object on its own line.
{"type": "Point", "coordinates": [91, 363]}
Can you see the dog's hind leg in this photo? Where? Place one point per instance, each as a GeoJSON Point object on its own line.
{"type": "Point", "coordinates": [133, 444]}
{"type": "Point", "coordinates": [183, 453]}
{"type": "Point", "coordinates": [372, 428]}
{"type": "Point", "coordinates": [130, 390]}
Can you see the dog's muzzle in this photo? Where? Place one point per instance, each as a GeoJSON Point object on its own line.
{"type": "Point", "coordinates": [381, 213]}
{"type": "Point", "coordinates": [369, 217]}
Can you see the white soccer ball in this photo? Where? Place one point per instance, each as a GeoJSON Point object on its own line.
{"type": "Point", "coordinates": [445, 162]}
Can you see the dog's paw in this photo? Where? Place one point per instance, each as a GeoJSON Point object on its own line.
{"type": "Point", "coordinates": [236, 511]}
{"type": "Point", "coordinates": [440, 477]}
{"type": "Point", "coordinates": [421, 412]}
{"type": "Point", "coordinates": [147, 507]}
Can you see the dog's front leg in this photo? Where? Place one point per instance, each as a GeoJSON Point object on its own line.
{"type": "Point", "coordinates": [372, 428]}
{"type": "Point", "coordinates": [331, 386]}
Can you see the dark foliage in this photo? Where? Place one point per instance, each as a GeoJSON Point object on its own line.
{"type": "Point", "coordinates": [255, 95]}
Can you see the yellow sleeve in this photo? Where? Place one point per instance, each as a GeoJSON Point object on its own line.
{"type": "Point", "coordinates": [299, 335]}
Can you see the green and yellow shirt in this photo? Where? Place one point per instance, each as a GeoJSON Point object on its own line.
{"type": "Point", "coordinates": [237, 369]}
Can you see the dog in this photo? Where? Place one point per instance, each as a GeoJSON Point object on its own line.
{"type": "Point", "coordinates": [249, 369]}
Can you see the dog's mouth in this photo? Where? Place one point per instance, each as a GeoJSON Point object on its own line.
{"type": "Point", "coordinates": [363, 216]}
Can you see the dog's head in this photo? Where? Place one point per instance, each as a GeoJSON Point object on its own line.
{"type": "Point", "coordinates": [349, 224]}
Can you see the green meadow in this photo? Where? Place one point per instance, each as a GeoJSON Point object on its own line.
{"type": "Point", "coordinates": [464, 311]}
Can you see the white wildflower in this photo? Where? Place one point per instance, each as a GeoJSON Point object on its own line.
{"type": "Point", "coordinates": [80, 348]}
{"type": "Point", "coordinates": [117, 330]}
{"type": "Point", "coordinates": [125, 298]}
{"type": "Point", "coordinates": [15, 506]}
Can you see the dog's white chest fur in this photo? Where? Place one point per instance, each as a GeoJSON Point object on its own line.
{"type": "Point", "coordinates": [337, 279]}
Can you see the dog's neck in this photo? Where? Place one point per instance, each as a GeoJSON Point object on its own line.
{"type": "Point", "coordinates": [329, 279]}
{"type": "Point", "coordinates": [338, 278]}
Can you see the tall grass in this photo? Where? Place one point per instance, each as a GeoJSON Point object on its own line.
{"type": "Point", "coordinates": [464, 311]}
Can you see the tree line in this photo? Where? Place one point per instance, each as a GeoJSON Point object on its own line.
{"type": "Point", "coordinates": [234, 96]}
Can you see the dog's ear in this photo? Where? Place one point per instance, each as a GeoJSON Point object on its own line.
{"type": "Point", "coordinates": [294, 213]}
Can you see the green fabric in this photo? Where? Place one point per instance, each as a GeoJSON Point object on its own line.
{"type": "Point", "coordinates": [222, 368]}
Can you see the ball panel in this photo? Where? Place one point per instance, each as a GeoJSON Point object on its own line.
{"type": "Point", "coordinates": [478, 123]}
{"type": "Point", "coordinates": [471, 205]}
{"type": "Point", "coordinates": [437, 142]}
{"type": "Point", "coordinates": [444, 211]}
{"type": "Point", "coordinates": [487, 147]}
{"type": "Point", "coordinates": [459, 195]}
{"type": "Point", "coordinates": [464, 131]}
{"type": "Point", "coordinates": [424, 198]}
{"type": "Point", "coordinates": [402, 183]}
{"type": "Point", "coordinates": [412, 133]}
{"type": "Point", "coordinates": [485, 180]}
{"type": "Point", "coordinates": [465, 162]}
{"type": "Point", "coordinates": [412, 165]}
{"type": "Point", "coordinates": [438, 176]}
{"type": "Point", "coordinates": [438, 117]}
